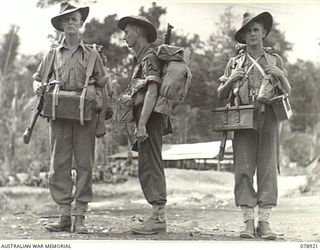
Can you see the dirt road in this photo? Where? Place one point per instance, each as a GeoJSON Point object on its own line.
{"type": "Point", "coordinates": [300, 224]}
{"type": "Point", "coordinates": [190, 215]}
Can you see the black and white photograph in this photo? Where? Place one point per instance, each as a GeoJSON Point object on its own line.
{"type": "Point", "coordinates": [125, 123]}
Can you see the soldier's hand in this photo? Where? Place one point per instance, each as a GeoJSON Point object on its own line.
{"type": "Point", "coordinates": [237, 74]}
{"type": "Point", "coordinates": [38, 88]}
{"type": "Point", "coordinates": [141, 134]}
{"type": "Point", "coordinates": [274, 70]}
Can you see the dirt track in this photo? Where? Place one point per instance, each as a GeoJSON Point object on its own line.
{"type": "Point", "coordinates": [222, 224]}
{"type": "Point", "coordinates": [202, 211]}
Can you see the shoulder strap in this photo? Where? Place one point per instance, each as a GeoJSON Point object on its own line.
{"type": "Point", "coordinates": [92, 59]}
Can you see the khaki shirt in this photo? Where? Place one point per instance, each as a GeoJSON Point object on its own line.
{"type": "Point", "coordinates": [70, 68]}
{"type": "Point", "coordinates": [254, 76]}
{"type": "Point", "coordinates": [146, 69]}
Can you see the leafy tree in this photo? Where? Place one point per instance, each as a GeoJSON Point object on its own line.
{"type": "Point", "coordinates": [47, 3]}
{"type": "Point", "coordinates": [208, 59]}
{"type": "Point", "coordinates": [153, 14]}
{"type": "Point", "coordinates": [304, 77]}
{"type": "Point", "coordinates": [8, 54]}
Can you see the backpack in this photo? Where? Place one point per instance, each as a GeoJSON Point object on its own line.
{"type": "Point", "coordinates": [176, 78]}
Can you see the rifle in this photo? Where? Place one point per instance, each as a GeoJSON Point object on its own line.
{"type": "Point", "coordinates": [39, 106]}
{"type": "Point", "coordinates": [40, 99]}
{"type": "Point", "coordinates": [167, 37]}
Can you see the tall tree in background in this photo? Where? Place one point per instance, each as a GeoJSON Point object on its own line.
{"type": "Point", "coordinates": [304, 77]}
{"type": "Point", "coordinates": [8, 100]}
{"type": "Point", "coordinates": [47, 3]}
{"type": "Point", "coordinates": [192, 120]}
{"type": "Point", "coordinates": [153, 14]}
{"type": "Point", "coordinates": [8, 54]}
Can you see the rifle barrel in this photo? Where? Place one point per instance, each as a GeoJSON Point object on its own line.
{"type": "Point", "coordinates": [28, 132]}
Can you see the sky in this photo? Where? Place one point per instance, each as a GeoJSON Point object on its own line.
{"type": "Point", "coordinates": [298, 19]}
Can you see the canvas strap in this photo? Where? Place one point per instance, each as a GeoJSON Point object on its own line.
{"type": "Point", "coordinates": [256, 64]}
{"type": "Point", "coordinates": [92, 59]}
{"type": "Point", "coordinates": [56, 89]}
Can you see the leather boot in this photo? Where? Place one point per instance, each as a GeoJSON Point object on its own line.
{"type": "Point", "coordinates": [79, 226]}
{"type": "Point", "coordinates": [154, 225]}
{"type": "Point", "coordinates": [265, 232]}
{"type": "Point", "coordinates": [63, 224]}
{"type": "Point", "coordinates": [248, 231]}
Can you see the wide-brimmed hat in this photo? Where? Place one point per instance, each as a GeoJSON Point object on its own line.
{"type": "Point", "coordinates": [140, 20]}
{"type": "Point", "coordinates": [265, 18]}
{"type": "Point", "coordinates": [66, 8]}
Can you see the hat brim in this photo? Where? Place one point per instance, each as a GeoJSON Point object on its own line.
{"type": "Point", "coordinates": [56, 21]}
{"type": "Point", "coordinates": [266, 19]}
{"type": "Point", "coordinates": [151, 30]}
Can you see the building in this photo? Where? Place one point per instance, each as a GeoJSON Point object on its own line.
{"type": "Point", "coordinates": [201, 156]}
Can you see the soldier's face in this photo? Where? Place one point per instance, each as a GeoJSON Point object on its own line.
{"type": "Point", "coordinates": [130, 35]}
{"type": "Point", "coordinates": [71, 23]}
{"type": "Point", "coordinates": [254, 34]}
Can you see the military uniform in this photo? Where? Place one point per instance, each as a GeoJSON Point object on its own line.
{"type": "Point", "coordinates": [151, 170]}
{"type": "Point", "coordinates": [256, 150]}
{"type": "Point", "coordinates": [68, 138]}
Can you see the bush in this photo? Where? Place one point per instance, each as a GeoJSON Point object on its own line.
{"type": "Point", "coordinates": [299, 147]}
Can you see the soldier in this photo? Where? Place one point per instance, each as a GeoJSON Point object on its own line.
{"type": "Point", "coordinates": [144, 87]}
{"type": "Point", "coordinates": [255, 150]}
{"type": "Point", "coordinates": [69, 138]}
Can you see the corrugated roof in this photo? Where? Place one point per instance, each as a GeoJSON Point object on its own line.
{"type": "Point", "coordinates": [172, 152]}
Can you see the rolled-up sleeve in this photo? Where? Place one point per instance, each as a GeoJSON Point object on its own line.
{"type": "Point", "coordinates": [152, 69]}
{"type": "Point", "coordinates": [280, 65]}
{"type": "Point", "coordinates": [39, 74]}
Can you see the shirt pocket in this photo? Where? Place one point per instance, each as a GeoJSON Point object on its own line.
{"type": "Point", "coordinates": [80, 74]}
{"type": "Point", "coordinates": [60, 69]}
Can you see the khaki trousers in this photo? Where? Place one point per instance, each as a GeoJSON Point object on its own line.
{"type": "Point", "coordinates": [257, 151]}
{"type": "Point", "coordinates": [150, 164]}
{"type": "Point", "coordinates": [68, 139]}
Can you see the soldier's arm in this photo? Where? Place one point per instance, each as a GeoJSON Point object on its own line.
{"type": "Point", "coordinates": [151, 69]}
{"type": "Point", "coordinates": [228, 79]}
{"type": "Point", "coordinates": [283, 77]}
{"type": "Point", "coordinates": [38, 88]}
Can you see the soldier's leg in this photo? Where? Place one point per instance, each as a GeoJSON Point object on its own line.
{"type": "Point", "coordinates": [60, 180]}
{"type": "Point", "coordinates": [244, 148]}
{"type": "Point", "coordinates": [245, 152]}
{"type": "Point", "coordinates": [152, 176]}
{"type": "Point", "coordinates": [268, 160]}
{"type": "Point", "coordinates": [84, 147]}
{"type": "Point", "coordinates": [151, 169]}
